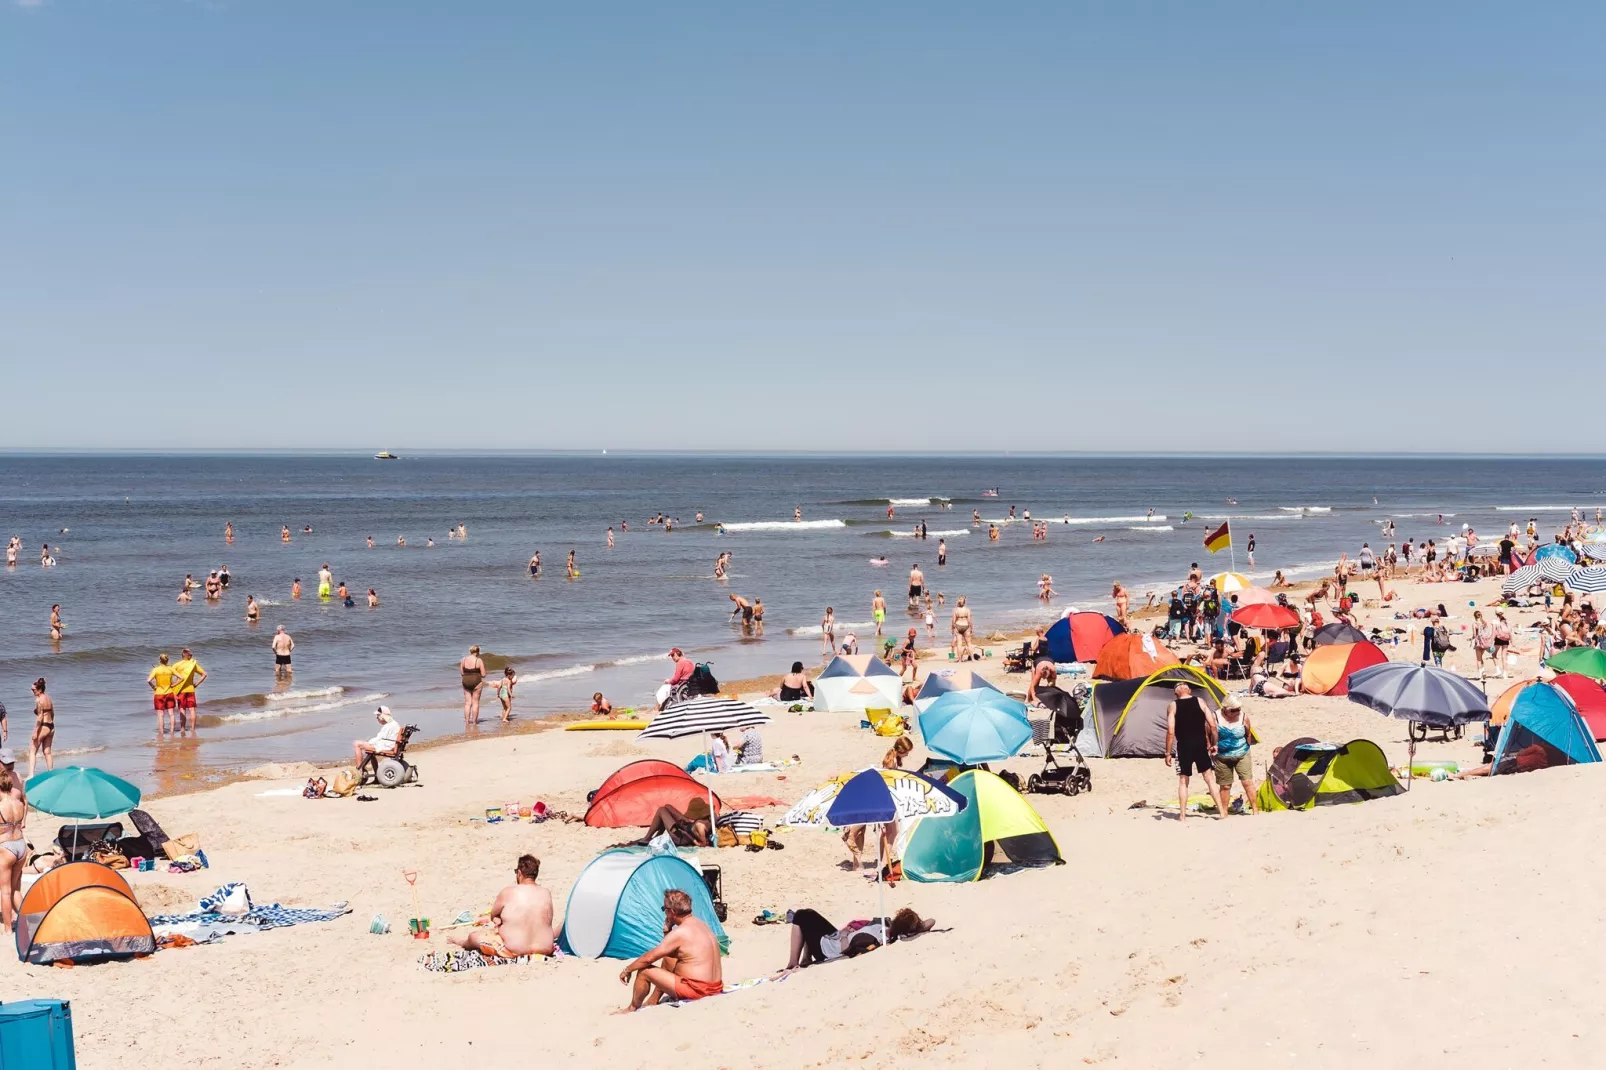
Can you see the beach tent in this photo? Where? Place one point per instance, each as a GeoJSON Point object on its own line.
{"type": "Point", "coordinates": [1307, 774]}
{"type": "Point", "coordinates": [996, 820]}
{"type": "Point", "coordinates": [1543, 730]}
{"type": "Point", "coordinates": [616, 907]}
{"type": "Point", "coordinates": [633, 803]}
{"type": "Point", "coordinates": [1337, 632]}
{"type": "Point", "coordinates": [1327, 670]}
{"type": "Point", "coordinates": [1080, 636]}
{"type": "Point", "coordinates": [1132, 655]}
{"type": "Point", "coordinates": [83, 912]}
{"type": "Point", "coordinates": [853, 683]}
{"type": "Point", "coordinates": [1126, 718]}
{"type": "Point", "coordinates": [940, 684]}
{"type": "Point", "coordinates": [1588, 696]}
{"type": "Point", "coordinates": [636, 771]}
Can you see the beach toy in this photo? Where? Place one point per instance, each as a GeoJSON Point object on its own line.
{"type": "Point", "coordinates": [524, 811]}
{"type": "Point", "coordinates": [511, 810]}
{"type": "Point", "coordinates": [416, 925]}
{"type": "Point", "coordinates": [378, 925]}
{"type": "Point", "coordinates": [464, 918]}
{"type": "Point", "coordinates": [1439, 775]}
{"type": "Point", "coordinates": [493, 815]}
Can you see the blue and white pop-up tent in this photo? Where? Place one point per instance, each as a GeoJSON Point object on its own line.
{"type": "Point", "coordinates": [939, 684]}
{"type": "Point", "coordinates": [853, 683]}
{"type": "Point", "coordinates": [616, 907]}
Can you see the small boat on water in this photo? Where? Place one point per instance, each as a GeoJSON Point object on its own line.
{"type": "Point", "coordinates": [386, 455]}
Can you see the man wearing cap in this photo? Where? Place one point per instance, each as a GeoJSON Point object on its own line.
{"type": "Point", "coordinates": [383, 744]}
{"type": "Point", "coordinates": [684, 667]}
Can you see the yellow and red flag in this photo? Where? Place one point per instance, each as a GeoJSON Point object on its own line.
{"type": "Point", "coordinates": [1219, 539]}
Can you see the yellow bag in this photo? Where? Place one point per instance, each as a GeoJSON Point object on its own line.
{"type": "Point", "coordinates": [725, 836]}
{"type": "Point", "coordinates": [344, 783]}
{"type": "Point", "coordinates": [182, 846]}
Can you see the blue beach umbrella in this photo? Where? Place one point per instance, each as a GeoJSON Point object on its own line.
{"type": "Point", "coordinates": [1555, 549]}
{"type": "Point", "coordinates": [971, 727]}
{"type": "Point", "coordinates": [82, 794]}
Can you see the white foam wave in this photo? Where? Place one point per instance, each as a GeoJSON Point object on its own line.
{"type": "Point", "coordinates": [1248, 516]}
{"type": "Point", "coordinates": [1306, 508]}
{"type": "Point", "coordinates": [950, 533]}
{"type": "Point", "coordinates": [915, 501]}
{"type": "Point", "coordinates": [557, 674]}
{"type": "Point", "coordinates": [638, 659]}
{"type": "Point", "coordinates": [1531, 509]}
{"type": "Point", "coordinates": [842, 628]}
{"type": "Point", "coordinates": [1157, 518]}
{"type": "Point", "coordinates": [784, 525]}
{"type": "Point", "coordinates": [314, 707]}
{"type": "Point", "coordinates": [312, 692]}
{"type": "Point", "coordinates": [79, 750]}
{"type": "Point", "coordinates": [1306, 568]}
{"type": "Point", "coordinates": [1153, 527]}
{"type": "Point", "coordinates": [1412, 516]}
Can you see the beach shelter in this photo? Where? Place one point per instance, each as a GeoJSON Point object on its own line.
{"type": "Point", "coordinates": [1306, 774]}
{"type": "Point", "coordinates": [636, 771]}
{"type": "Point", "coordinates": [633, 803]}
{"type": "Point", "coordinates": [1080, 636]}
{"type": "Point", "coordinates": [853, 683]}
{"type": "Point", "coordinates": [940, 684]}
{"type": "Point", "coordinates": [1126, 718]}
{"type": "Point", "coordinates": [1543, 729]}
{"type": "Point", "coordinates": [1555, 549]}
{"type": "Point", "coordinates": [1500, 708]}
{"type": "Point", "coordinates": [997, 821]}
{"type": "Point", "coordinates": [1589, 699]}
{"type": "Point", "coordinates": [1337, 632]}
{"type": "Point", "coordinates": [82, 912]}
{"type": "Point", "coordinates": [1131, 656]}
{"type": "Point", "coordinates": [616, 907]}
{"type": "Point", "coordinates": [1327, 670]}
{"type": "Point", "coordinates": [1585, 660]}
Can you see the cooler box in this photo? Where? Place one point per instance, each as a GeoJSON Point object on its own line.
{"type": "Point", "coordinates": [36, 1034]}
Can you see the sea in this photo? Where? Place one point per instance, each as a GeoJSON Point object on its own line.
{"type": "Point", "coordinates": [125, 529]}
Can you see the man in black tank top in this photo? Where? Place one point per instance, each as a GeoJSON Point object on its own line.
{"type": "Point", "coordinates": [1190, 739]}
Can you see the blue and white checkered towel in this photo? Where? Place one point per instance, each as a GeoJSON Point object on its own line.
{"type": "Point", "coordinates": [271, 916]}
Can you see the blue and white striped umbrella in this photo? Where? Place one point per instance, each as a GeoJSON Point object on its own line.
{"type": "Point", "coordinates": [1556, 569]}
{"type": "Point", "coordinates": [1594, 545]}
{"type": "Point", "coordinates": [1520, 580]}
{"type": "Point", "coordinates": [1591, 579]}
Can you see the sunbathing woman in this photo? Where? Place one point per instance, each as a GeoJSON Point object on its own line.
{"type": "Point", "coordinates": [795, 687]}
{"type": "Point", "coordinates": [689, 829]}
{"type": "Point", "coordinates": [813, 939]}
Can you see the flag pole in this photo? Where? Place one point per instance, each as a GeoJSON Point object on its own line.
{"type": "Point", "coordinates": [1231, 549]}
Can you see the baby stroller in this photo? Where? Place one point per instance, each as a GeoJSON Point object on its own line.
{"type": "Point", "coordinates": [1070, 776]}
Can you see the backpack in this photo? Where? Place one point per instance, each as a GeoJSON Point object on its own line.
{"type": "Point", "coordinates": [1441, 639]}
{"type": "Point", "coordinates": [702, 681]}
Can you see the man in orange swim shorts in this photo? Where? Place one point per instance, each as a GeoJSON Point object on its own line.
{"type": "Point", "coordinates": [684, 965]}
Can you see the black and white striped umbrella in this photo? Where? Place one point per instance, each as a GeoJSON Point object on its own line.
{"type": "Point", "coordinates": [1556, 569]}
{"type": "Point", "coordinates": [1591, 579]}
{"type": "Point", "coordinates": [741, 821]}
{"type": "Point", "coordinates": [698, 715]}
{"type": "Point", "coordinates": [1594, 548]}
{"type": "Point", "coordinates": [1522, 579]}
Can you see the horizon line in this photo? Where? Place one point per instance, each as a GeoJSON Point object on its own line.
{"type": "Point", "coordinates": [480, 452]}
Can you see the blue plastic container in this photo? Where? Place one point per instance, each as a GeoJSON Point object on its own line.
{"type": "Point", "coordinates": [36, 1034]}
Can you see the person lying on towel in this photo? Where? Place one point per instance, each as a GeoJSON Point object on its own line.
{"type": "Point", "coordinates": [521, 918]}
{"type": "Point", "coordinates": [816, 940]}
{"type": "Point", "coordinates": [685, 964]}
{"type": "Point", "coordinates": [693, 828]}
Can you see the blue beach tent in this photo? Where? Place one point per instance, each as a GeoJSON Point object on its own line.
{"type": "Point", "coordinates": [1544, 729]}
{"type": "Point", "coordinates": [1080, 636]}
{"type": "Point", "coordinates": [616, 907]}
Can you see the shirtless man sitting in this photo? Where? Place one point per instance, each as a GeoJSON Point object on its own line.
{"type": "Point", "coordinates": [685, 965]}
{"type": "Point", "coordinates": [521, 918]}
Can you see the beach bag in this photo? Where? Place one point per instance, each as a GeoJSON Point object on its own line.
{"type": "Point", "coordinates": [702, 681]}
{"type": "Point", "coordinates": [725, 836]}
{"type": "Point", "coordinates": [344, 783]}
{"type": "Point", "coordinates": [183, 846]}
{"type": "Point", "coordinates": [1441, 640]}
{"type": "Point", "coordinates": [233, 898]}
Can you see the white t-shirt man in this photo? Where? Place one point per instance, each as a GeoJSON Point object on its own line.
{"type": "Point", "coordinates": [389, 733]}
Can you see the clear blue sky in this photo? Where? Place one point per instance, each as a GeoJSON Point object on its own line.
{"type": "Point", "coordinates": [315, 223]}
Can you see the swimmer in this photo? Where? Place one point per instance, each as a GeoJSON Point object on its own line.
{"type": "Point", "coordinates": [342, 593]}
{"type": "Point", "coordinates": [252, 613]}
{"type": "Point", "coordinates": [228, 531]}
{"type": "Point", "coordinates": [624, 525]}
{"type": "Point", "coordinates": [307, 530]}
{"type": "Point", "coordinates": [719, 567]}
{"type": "Point", "coordinates": [797, 514]}
{"type": "Point", "coordinates": [878, 562]}
{"type": "Point", "coordinates": [610, 538]}
{"type": "Point", "coordinates": [401, 541]}
{"type": "Point", "coordinates": [574, 573]}
{"type": "Point", "coordinates": [184, 597]}
{"type": "Point", "coordinates": [535, 563]}
{"type": "Point", "coordinates": [429, 544]}
{"type": "Point", "coordinates": [295, 589]}
{"type": "Point", "coordinates": [284, 533]}
{"type": "Point", "coordinates": [1099, 539]}
{"type": "Point", "coordinates": [699, 518]}
{"type": "Point", "coordinates": [373, 599]}
{"type": "Point", "coordinates": [370, 542]}
{"type": "Point", "coordinates": [56, 628]}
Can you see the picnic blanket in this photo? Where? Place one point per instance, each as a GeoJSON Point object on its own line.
{"type": "Point", "coordinates": [204, 926]}
{"type": "Point", "coordinates": [751, 802]}
{"type": "Point", "coordinates": [460, 960]}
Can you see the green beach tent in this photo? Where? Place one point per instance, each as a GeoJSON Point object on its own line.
{"type": "Point", "coordinates": [996, 820]}
{"type": "Point", "coordinates": [1307, 774]}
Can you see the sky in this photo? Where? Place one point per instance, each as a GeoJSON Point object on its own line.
{"type": "Point", "coordinates": [497, 225]}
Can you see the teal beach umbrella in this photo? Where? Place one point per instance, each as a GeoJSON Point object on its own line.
{"type": "Point", "coordinates": [971, 727]}
{"type": "Point", "coordinates": [83, 794]}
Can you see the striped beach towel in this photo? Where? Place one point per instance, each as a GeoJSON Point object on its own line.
{"type": "Point", "coordinates": [740, 821]}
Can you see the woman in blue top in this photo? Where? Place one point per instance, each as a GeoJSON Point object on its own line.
{"type": "Point", "coordinates": [1233, 740]}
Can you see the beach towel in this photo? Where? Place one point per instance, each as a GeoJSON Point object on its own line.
{"type": "Point", "coordinates": [752, 802]}
{"type": "Point", "coordinates": [257, 919]}
{"type": "Point", "coordinates": [460, 960]}
{"type": "Point", "coordinates": [740, 821]}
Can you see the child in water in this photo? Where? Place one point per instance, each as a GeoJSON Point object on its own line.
{"type": "Point", "coordinates": [504, 692]}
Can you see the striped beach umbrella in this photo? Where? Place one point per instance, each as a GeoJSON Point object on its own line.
{"type": "Point", "coordinates": [696, 716]}
{"type": "Point", "coordinates": [1522, 579]}
{"type": "Point", "coordinates": [1556, 569]}
{"type": "Point", "coordinates": [1590, 579]}
{"type": "Point", "coordinates": [1228, 582]}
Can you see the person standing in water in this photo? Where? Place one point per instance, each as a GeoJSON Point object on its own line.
{"type": "Point", "coordinates": [187, 676]}
{"type": "Point", "coordinates": [504, 692]}
{"type": "Point", "coordinates": [160, 680]}
{"type": "Point", "coordinates": [942, 552]}
{"type": "Point", "coordinates": [252, 613]}
{"type": "Point", "coordinates": [282, 646]}
{"type": "Point", "coordinates": [610, 537]}
{"type": "Point", "coordinates": [57, 629]}
{"type": "Point", "coordinates": [828, 632]}
{"type": "Point", "coordinates": [878, 612]}
{"type": "Point", "coordinates": [917, 586]}
{"type": "Point", "coordinates": [295, 589]}
{"type": "Point", "coordinates": [325, 582]}
{"type": "Point", "coordinates": [473, 671]}
{"type": "Point", "coordinates": [574, 572]}
{"type": "Point", "coordinates": [228, 532]}
{"type": "Point", "coordinates": [535, 564]}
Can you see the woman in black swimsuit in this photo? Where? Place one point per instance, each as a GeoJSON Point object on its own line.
{"type": "Point", "coordinates": [473, 670]}
{"type": "Point", "coordinates": [795, 687]}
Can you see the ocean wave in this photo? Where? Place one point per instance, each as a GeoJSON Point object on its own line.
{"type": "Point", "coordinates": [557, 674]}
{"type": "Point", "coordinates": [1533, 509]}
{"type": "Point", "coordinates": [842, 627]}
{"type": "Point", "coordinates": [296, 696]}
{"type": "Point", "coordinates": [1153, 527]}
{"type": "Point", "coordinates": [1249, 516]}
{"type": "Point", "coordinates": [1306, 508]}
{"type": "Point", "coordinates": [268, 712]}
{"type": "Point", "coordinates": [1411, 516]}
{"type": "Point", "coordinates": [76, 751]}
{"type": "Point", "coordinates": [638, 659]}
{"type": "Point", "coordinates": [935, 499]}
{"type": "Point", "coordinates": [784, 525]}
{"type": "Point", "coordinates": [946, 534]}
{"type": "Point", "coordinates": [1113, 520]}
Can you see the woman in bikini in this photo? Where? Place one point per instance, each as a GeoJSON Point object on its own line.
{"type": "Point", "coordinates": [13, 848]}
{"type": "Point", "coordinates": [961, 627]}
{"type": "Point", "coordinates": [473, 670]}
{"type": "Point", "coordinates": [44, 729]}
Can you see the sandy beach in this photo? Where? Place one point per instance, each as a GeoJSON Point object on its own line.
{"type": "Point", "coordinates": [1267, 940]}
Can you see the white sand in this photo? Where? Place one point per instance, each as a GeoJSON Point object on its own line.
{"type": "Point", "coordinates": [1455, 923]}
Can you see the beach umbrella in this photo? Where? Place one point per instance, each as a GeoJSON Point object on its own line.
{"type": "Point", "coordinates": [1338, 632]}
{"type": "Point", "coordinates": [1556, 569]}
{"type": "Point", "coordinates": [81, 794]}
{"type": "Point", "coordinates": [1555, 549]}
{"type": "Point", "coordinates": [1588, 579]}
{"type": "Point", "coordinates": [1329, 668]}
{"type": "Point", "coordinates": [1254, 596]}
{"type": "Point", "coordinates": [1422, 693]}
{"type": "Point", "coordinates": [1584, 660]}
{"type": "Point", "coordinates": [971, 727]}
{"type": "Point", "coordinates": [1522, 579]}
{"type": "Point", "coordinates": [707, 714]}
{"type": "Point", "coordinates": [1594, 544]}
{"type": "Point", "coordinates": [1266, 616]}
{"type": "Point", "coordinates": [1228, 582]}
{"type": "Point", "coordinates": [875, 797]}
